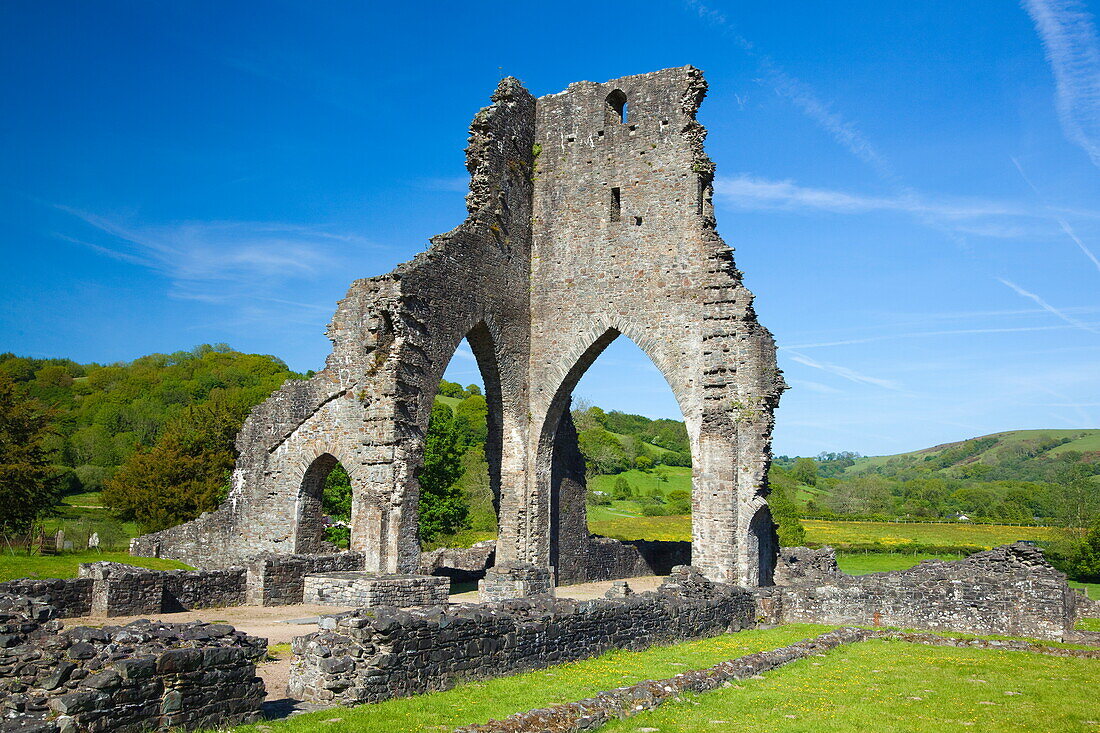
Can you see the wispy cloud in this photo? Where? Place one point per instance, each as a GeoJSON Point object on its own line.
{"type": "Point", "coordinates": [222, 261]}
{"type": "Point", "coordinates": [842, 130]}
{"type": "Point", "coordinates": [926, 334]}
{"type": "Point", "coordinates": [749, 192]}
{"type": "Point", "coordinates": [842, 371]}
{"type": "Point", "coordinates": [1058, 218]}
{"type": "Point", "coordinates": [1049, 308]}
{"type": "Point", "coordinates": [455, 184]}
{"type": "Point", "coordinates": [1073, 51]}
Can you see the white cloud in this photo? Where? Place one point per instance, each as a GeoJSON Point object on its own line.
{"type": "Point", "coordinates": [973, 216]}
{"type": "Point", "coordinates": [223, 261]}
{"type": "Point", "coordinates": [1073, 51]}
{"type": "Point", "coordinates": [842, 371]}
{"type": "Point", "coordinates": [1051, 309]}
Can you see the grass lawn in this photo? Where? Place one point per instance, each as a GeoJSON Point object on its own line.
{"type": "Point", "coordinates": [1092, 589]}
{"type": "Point", "coordinates": [679, 478]}
{"type": "Point", "coordinates": [85, 499]}
{"type": "Point", "coordinates": [476, 702]}
{"type": "Point", "coordinates": [642, 528]}
{"type": "Point", "coordinates": [894, 686]}
{"type": "Point", "coordinates": [861, 563]}
{"type": "Point", "coordinates": [68, 564]}
{"type": "Point", "coordinates": [465, 538]}
{"type": "Point", "coordinates": [889, 533]}
{"type": "Point", "coordinates": [825, 532]}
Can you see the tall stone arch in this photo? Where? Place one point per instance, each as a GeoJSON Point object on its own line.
{"type": "Point", "coordinates": [584, 221]}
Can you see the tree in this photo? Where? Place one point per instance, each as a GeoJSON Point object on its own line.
{"type": "Point", "coordinates": [621, 490]}
{"type": "Point", "coordinates": [29, 485]}
{"type": "Point", "coordinates": [443, 508]}
{"type": "Point", "coordinates": [186, 473]}
{"type": "Point", "coordinates": [471, 420]}
{"type": "Point", "coordinates": [805, 471]}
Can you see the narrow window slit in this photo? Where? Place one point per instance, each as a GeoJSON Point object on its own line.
{"type": "Point", "coordinates": [616, 205]}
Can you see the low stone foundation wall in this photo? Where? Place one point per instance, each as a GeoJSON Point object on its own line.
{"type": "Point", "coordinates": [515, 580]}
{"type": "Point", "coordinates": [116, 589]}
{"type": "Point", "coordinates": [139, 677]}
{"type": "Point", "coordinates": [279, 580]}
{"type": "Point", "coordinates": [69, 598]}
{"type": "Point", "coordinates": [367, 656]}
{"type": "Point", "coordinates": [1008, 590]}
{"type": "Point", "coordinates": [369, 590]}
{"type": "Point", "coordinates": [609, 559]}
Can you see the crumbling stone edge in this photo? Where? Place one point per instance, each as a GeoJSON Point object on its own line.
{"type": "Point", "coordinates": [591, 713]}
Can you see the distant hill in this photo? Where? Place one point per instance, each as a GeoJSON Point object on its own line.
{"type": "Point", "coordinates": [1020, 455]}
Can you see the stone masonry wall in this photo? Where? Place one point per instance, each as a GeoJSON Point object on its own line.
{"type": "Point", "coordinates": [589, 217]}
{"type": "Point", "coordinates": [279, 580]}
{"type": "Point", "coordinates": [1007, 590]}
{"type": "Point", "coordinates": [371, 656]}
{"type": "Point", "coordinates": [134, 678]}
{"type": "Point", "coordinates": [69, 597]}
{"type": "Point", "coordinates": [368, 590]}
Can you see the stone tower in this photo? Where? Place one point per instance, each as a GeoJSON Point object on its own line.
{"type": "Point", "coordinates": [590, 217]}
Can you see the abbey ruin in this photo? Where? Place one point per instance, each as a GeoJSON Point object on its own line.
{"type": "Point", "coordinates": [590, 217]}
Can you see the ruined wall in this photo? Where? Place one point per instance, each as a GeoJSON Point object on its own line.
{"type": "Point", "coordinates": [359, 589]}
{"type": "Point", "coordinates": [133, 678]}
{"type": "Point", "coordinates": [582, 226]}
{"type": "Point", "coordinates": [624, 243]}
{"type": "Point", "coordinates": [280, 580]}
{"type": "Point", "coordinates": [1007, 590]}
{"type": "Point", "coordinates": [376, 655]}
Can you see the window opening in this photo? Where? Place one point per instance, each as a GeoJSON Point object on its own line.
{"type": "Point", "coordinates": [617, 108]}
{"type": "Point", "coordinates": [616, 205]}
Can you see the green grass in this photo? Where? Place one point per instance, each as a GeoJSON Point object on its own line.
{"type": "Point", "coordinates": [451, 402]}
{"type": "Point", "coordinates": [1092, 589]}
{"type": "Point", "coordinates": [67, 564]}
{"type": "Point", "coordinates": [861, 563]}
{"type": "Point", "coordinates": [894, 686]}
{"type": "Point", "coordinates": [602, 521]}
{"type": "Point", "coordinates": [476, 702]}
{"type": "Point", "coordinates": [86, 499]}
{"type": "Point", "coordinates": [890, 533]}
{"type": "Point", "coordinates": [679, 478]}
{"type": "Point", "coordinates": [643, 528]}
{"type": "Point", "coordinates": [465, 538]}
{"type": "Point", "coordinates": [1088, 624]}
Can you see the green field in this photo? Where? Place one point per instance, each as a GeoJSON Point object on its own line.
{"type": "Point", "coordinates": [67, 564]}
{"type": "Point", "coordinates": [895, 686]}
{"type": "Point", "coordinates": [877, 685]}
{"type": "Point", "coordinates": [679, 478]}
{"type": "Point", "coordinates": [476, 702]}
{"type": "Point", "coordinates": [828, 532]}
{"type": "Point", "coordinates": [900, 534]}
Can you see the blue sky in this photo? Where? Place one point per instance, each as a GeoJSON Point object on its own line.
{"type": "Point", "coordinates": [912, 189]}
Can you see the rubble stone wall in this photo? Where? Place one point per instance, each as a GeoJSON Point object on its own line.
{"type": "Point", "coordinates": [1006, 590]}
{"type": "Point", "coordinates": [134, 678]}
{"type": "Point", "coordinates": [367, 656]}
{"type": "Point", "coordinates": [362, 589]}
{"type": "Point", "coordinates": [69, 597]}
{"type": "Point", "coordinates": [280, 580]}
{"type": "Point", "coordinates": [590, 216]}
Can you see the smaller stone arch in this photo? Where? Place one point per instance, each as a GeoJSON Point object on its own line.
{"type": "Point", "coordinates": [616, 107]}
{"type": "Point", "coordinates": [309, 514]}
{"type": "Point", "coordinates": [762, 548]}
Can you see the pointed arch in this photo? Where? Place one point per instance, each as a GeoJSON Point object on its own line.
{"type": "Point", "coordinates": [309, 525]}
{"type": "Point", "coordinates": [762, 548]}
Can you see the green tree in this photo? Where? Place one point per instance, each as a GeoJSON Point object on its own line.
{"type": "Point", "coordinates": [621, 489]}
{"type": "Point", "coordinates": [29, 485]}
{"type": "Point", "coordinates": [471, 420]}
{"type": "Point", "coordinates": [805, 471]}
{"type": "Point", "coordinates": [443, 508]}
{"type": "Point", "coordinates": [186, 473]}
